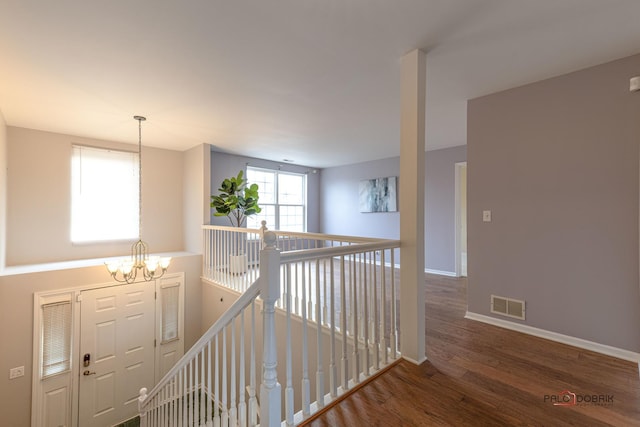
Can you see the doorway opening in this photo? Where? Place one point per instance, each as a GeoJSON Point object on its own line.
{"type": "Point", "coordinates": [461, 218]}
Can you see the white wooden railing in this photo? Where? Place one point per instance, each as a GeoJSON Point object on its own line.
{"type": "Point", "coordinates": [333, 300]}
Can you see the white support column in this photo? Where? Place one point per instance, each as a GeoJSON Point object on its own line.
{"type": "Point", "coordinates": [412, 189]}
{"type": "Point", "coordinates": [270, 393]}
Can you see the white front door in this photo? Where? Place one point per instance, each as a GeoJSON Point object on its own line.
{"type": "Point", "coordinates": [117, 341]}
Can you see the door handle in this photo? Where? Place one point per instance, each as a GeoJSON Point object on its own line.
{"type": "Point", "coordinates": [87, 373]}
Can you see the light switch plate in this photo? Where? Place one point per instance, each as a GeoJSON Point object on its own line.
{"type": "Point", "coordinates": [486, 216]}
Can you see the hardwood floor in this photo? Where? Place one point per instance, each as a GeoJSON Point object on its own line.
{"type": "Point", "coordinates": [482, 375]}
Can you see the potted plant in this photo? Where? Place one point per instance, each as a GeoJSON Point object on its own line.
{"type": "Point", "coordinates": [236, 200]}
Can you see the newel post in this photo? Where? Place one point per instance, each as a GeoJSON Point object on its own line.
{"type": "Point", "coordinates": [143, 414]}
{"type": "Point", "coordinates": [270, 390]}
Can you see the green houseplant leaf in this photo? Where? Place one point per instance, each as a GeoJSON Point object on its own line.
{"type": "Point", "coordinates": [236, 200]}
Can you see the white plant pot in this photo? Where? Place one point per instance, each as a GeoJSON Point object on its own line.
{"type": "Point", "coordinates": [238, 264]}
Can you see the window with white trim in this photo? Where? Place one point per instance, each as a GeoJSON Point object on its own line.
{"type": "Point", "coordinates": [170, 325]}
{"type": "Point", "coordinates": [104, 194]}
{"type": "Point", "coordinates": [56, 338]}
{"type": "Point", "coordinates": [283, 199]}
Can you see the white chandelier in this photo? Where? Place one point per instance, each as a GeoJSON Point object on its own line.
{"type": "Point", "coordinates": [152, 267]}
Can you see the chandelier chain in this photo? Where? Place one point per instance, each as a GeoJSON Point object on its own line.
{"type": "Point", "coordinates": [152, 267]}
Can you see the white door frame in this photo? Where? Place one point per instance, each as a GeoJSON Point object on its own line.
{"type": "Point", "coordinates": [458, 222]}
{"type": "Point", "coordinates": [74, 293]}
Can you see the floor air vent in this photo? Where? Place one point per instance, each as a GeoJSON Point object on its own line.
{"type": "Point", "coordinates": [507, 307]}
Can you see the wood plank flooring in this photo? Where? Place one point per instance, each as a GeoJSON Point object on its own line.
{"type": "Point", "coordinates": [482, 375]}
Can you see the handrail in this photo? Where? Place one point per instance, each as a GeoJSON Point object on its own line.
{"type": "Point", "coordinates": [332, 251]}
{"type": "Point", "coordinates": [230, 228]}
{"type": "Point", "coordinates": [241, 303]}
{"type": "Point", "coordinates": [299, 234]}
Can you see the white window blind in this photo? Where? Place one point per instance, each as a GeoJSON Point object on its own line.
{"type": "Point", "coordinates": [170, 297]}
{"type": "Point", "coordinates": [56, 338]}
{"type": "Point", "coordinates": [104, 194]}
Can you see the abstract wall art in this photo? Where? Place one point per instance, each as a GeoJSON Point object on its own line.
{"type": "Point", "coordinates": [378, 195]}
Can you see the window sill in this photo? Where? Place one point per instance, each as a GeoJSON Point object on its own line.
{"type": "Point", "coordinates": [68, 265]}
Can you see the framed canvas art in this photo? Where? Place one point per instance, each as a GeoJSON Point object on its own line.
{"type": "Point", "coordinates": [378, 195]}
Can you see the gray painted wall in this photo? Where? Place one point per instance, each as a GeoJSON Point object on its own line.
{"type": "Point", "coordinates": [340, 213]}
{"type": "Point", "coordinates": [557, 163]}
{"type": "Point", "coordinates": [224, 165]}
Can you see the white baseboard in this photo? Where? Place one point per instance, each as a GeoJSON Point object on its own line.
{"type": "Point", "coordinates": [415, 362]}
{"type": "Point", "coordinates": [440, 272]}
{"type": "Point", "coordinates": [554, 336]}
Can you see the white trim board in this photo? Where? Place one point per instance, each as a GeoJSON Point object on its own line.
{"type": "Point", "coordinates": [554, 336]}
{"type": "Point", "coordinates": [440, 272]}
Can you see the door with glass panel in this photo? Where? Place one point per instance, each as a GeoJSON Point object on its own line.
{"type": "Point", "coordinates": [169, 324]}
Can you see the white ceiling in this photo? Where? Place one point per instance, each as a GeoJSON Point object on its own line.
{"type": "Point", "coordinates": [315, 81]}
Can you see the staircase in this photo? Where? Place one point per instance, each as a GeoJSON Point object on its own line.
{"type": "Point", "coordinates": [316, 312]}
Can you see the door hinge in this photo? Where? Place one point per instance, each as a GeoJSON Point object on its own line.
{"type": "Point", "coordinates": [79, 298]}
{"type": "Point", "coordinates": [154, 342]}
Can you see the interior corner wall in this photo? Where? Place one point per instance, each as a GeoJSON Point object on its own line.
{"type": "Point", "coordinates": [196, 193]}
{"type": "Point", "coordinates": [224, 165]}
{"type": "Point", "coordinates": [3, 190]}
{"type": "Point", "coordinates": [557, 164]}
{"type": "Point", "coordinates": [340, 213]}
{"type": "Point", "coordinates": [39, 199]}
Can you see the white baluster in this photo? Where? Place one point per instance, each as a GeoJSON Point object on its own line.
{"type": "Point", "coordinates": [203, 390]}
{"type": "Point", "coordinates": [310, 302]}
{"type": "Point", "coordinates": [185, 397]}
{"type": "Point", "coordinates": [343, 325]}
{"type": "Point", "coordinates": [209, 388]}
{"type": "Point", "coordinates": [289, 405]}
{"type": "Point", "coordinates": [233, 412]}
{"type": "Point", "coordinates": [383, 307]}
{"type": "Point", "coordinates": [333, 372]}
{"type": "Point", "coordinates": [355, 376]}
{"type": "Point", "coordinates": [224, 419]}
{"type": "Point", "coordinates": [325, 271]}
{"type": "Point", "coordinates": [242, 406]}
{"type": "Point", "coordinates": [196, 391]}
{"type": "Point", "coordinates": [394, 322]}
{"type": "Point", "coordinates": [319, 371]}
{"type": "Point", "coordinates": [180, 399]}
{"type": "Point", "coordinates": [365, 302]}
{"type": "Point", "coordinates": [159, 404]}
{"type": "Point", "coordinates": [270, 391]}
{"type": "Point", "coordinates": [253, 404]}
{"type": "Point", "coordinates": [306, 390]}
{"type": "Point", "coordinates": [216, 384]}
{"type": "Point", "coordinates": [376, 319]}
{"type": "Point", "coordinates": [296, 302]}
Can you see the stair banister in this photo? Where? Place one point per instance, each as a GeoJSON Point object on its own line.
{"type": "Point", "coordinates": [243, 301]}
